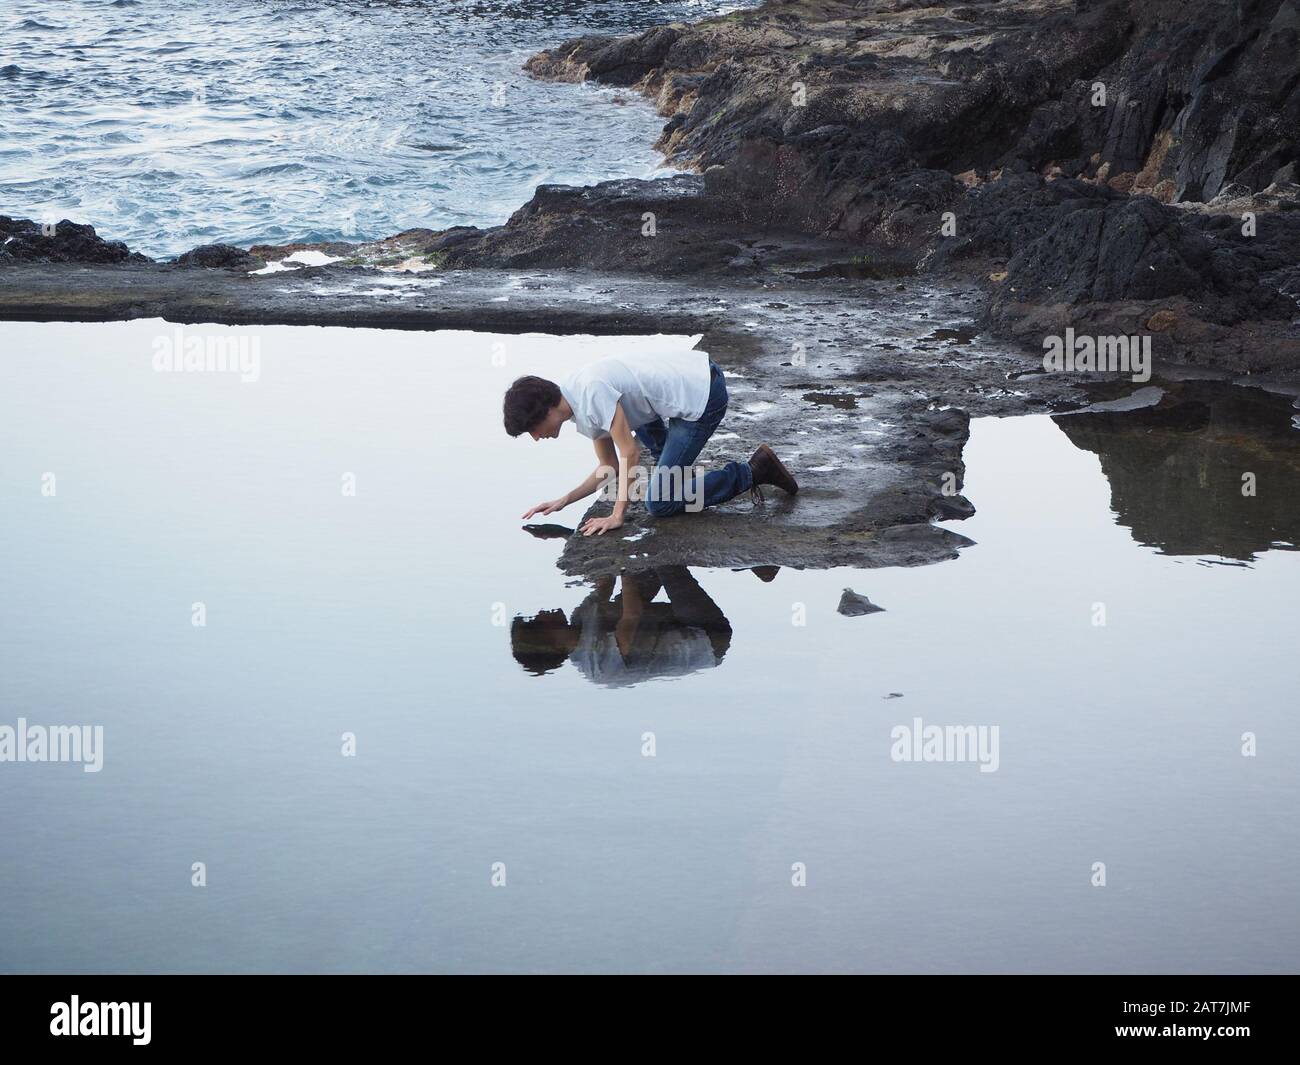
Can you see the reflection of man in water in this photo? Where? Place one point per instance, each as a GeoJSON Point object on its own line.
{"type": "Point", "coordinates": [618, 640]}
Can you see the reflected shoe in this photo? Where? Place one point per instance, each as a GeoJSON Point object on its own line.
{"type": "Point", "coordinates": [768, 469]}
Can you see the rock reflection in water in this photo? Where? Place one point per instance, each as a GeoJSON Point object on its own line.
{"type": "Point", "coordinates": [1177, 469]}
{"type": "Point", "coordinates": [623, 639]}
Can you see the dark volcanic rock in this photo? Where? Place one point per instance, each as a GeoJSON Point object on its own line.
{"type": "Point", "coordinates": [220, 256]}
{"type": "Point", "coordinates": [1084, 255]}
{"type": "Point", "coordinates": [667, 227]}
{"type": "Point", "coordinates": [651, 226]}
{"type": "Point", "coordinates": [65, 242]}
{"type": "Point", "coordinates": [819, 98]}
{"type": "Point", "coordinates": [1203, 94]}
{"type": "Point", "coordinates": [808, 102]}
{"type": "Point", "coordinates": [615, 61]}
{"type": "Point", "coordinates": [1034, 122]}
{"type": "Point", "coordinates": [1110, 248]}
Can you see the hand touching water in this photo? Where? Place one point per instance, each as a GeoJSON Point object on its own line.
{"type": "Point", "coordinates": [546, 508]}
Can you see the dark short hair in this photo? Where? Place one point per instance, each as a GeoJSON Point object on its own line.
{"type": "Point", "coordinates": [538, 643]}
{"type": "Point", "coordinates": [527, 402]}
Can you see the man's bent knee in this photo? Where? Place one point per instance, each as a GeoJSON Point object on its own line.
{"type": "Point", "coordinates": [662, 508]}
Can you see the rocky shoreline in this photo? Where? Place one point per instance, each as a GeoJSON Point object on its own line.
{"type": "Point", "coordinates": [939, 175]}
{"type": "Point", "coordinates": [1096, 158]}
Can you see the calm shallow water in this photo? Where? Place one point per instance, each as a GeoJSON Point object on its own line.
{"type": "Point", "coordinates": [171, 123]}
{"type": "Point", "coordinates": [375, 615]}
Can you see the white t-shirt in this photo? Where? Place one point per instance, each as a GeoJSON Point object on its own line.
{"type": "Point", "coordinates": [649, 386]}
{"type": "Point", "coordinates": [659, 650]}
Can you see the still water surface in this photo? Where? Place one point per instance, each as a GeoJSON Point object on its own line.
{"type": "Point", "coordinates": [389, 615]}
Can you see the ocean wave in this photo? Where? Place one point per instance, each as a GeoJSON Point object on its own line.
{"type": "Point", "coordinates": [281, 121]}
{"type": "Point", "coordinates": [278, 168]}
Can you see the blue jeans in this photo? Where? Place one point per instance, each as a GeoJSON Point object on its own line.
{"type": "Point", "coordinates": [676, 447]}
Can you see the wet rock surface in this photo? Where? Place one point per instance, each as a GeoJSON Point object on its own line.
{"type": "Point", "coordinates": [22, 240]}
{"type": "Point", "coordinates": [671, 227]}
{"type": "Point", "coordinates": [220, 257]}
{"type": "Point", "coordinates": [1108, 264]}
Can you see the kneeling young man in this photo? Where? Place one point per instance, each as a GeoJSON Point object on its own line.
{"type": "Point", "coordinates": [670, 403]}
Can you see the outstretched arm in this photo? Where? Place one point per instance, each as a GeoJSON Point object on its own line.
{"type": "Point", "coordinates": [607, 461]}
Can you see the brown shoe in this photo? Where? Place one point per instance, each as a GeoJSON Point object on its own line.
{"type": "Point", "coordinates": [768, 469]}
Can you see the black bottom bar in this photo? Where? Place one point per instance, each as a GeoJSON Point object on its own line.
{"type": "Point", "coordinates": [1223, 1013]}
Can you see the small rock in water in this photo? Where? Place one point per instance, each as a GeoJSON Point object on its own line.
{"type": "Point", "coordinates": [853, 605]}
